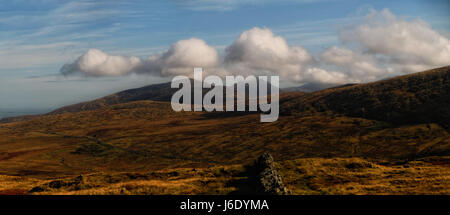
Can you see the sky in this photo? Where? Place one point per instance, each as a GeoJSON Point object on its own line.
{"type": "Point", "coordinates": [55, 53]}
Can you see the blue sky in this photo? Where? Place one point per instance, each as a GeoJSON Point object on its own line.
{"type": "Point", "coordinates": [38, 37]}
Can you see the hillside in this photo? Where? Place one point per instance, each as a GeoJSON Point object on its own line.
{"type": "Point", "coordinates": [323, 143]}
{"type": "Point", "coordinates": [417, 98]}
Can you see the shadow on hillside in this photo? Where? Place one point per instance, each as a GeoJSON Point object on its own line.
{"type": "Point", "coordinates": [226, 114]}
{"type": "Point", "coordinates": [246, 182]}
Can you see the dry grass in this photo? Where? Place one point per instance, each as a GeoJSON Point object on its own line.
{"type": "Point", "coordinates": [315, 138]}
{"type": "Point", "coordinates": [147, 137]}
{"type": "Point", "coordinates": [14, 185]}
{"type": "Point", "coordinates": [174, 182]}
{"type": "Point", "coordinates": [358, 176]}
{"type": "Point", "coordinates": [302, 176]}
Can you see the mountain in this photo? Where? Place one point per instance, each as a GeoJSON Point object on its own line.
{"type": "Point", "coordinates": [381, 137]}
{"type": "Point", "coordinates": [312, 87]}
{"type": "Point", "coordinates": [157, 92]}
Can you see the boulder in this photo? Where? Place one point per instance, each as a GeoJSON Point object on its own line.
{"type": "Point", "coordinates": [268, 178]}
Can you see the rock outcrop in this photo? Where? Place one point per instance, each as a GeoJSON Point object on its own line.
{"type": "Point", "coordinates": [269, 180]}
{"type": "Point", "coordinates": [76, 183]}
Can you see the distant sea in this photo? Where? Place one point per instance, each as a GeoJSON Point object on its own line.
{"type": "Point", "coordinates": [14, 112]}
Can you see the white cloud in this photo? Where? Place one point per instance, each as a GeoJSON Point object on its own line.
{"type": "Point", "coordinates": [97, 63]}
{"type": "Point", "coordinates": [318, 75]}
{"type": "Point", "coordinates": [358, 66]}
{"type": "Point", "coordinates": [381, 46]}
{"type": "Point", "coordinates": [409, 46]}
{"type": "Point", "coordinates": [260, 48]}
{"type": "Point", "coordinates": [255, 52]}
{"type": "Point", "coordinates": [181, 58]}
{"type": "Point", "coordinates": [178, 60]}
{"type": "Point", "coordinates": [260, 51]}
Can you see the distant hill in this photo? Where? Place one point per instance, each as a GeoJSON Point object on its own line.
{"type": "Point", "coordinates": [157, 92]}
{"type": "Point", "coordinates": [312, 87]}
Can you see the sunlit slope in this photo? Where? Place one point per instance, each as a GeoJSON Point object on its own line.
{"type": "Point", "coordinates": [148, 135]}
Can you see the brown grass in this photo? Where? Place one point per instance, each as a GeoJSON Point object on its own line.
{"type": "Point", "coordinates": [302, 176]}
{"type": "Point", "coordinates": [358, 176]}
{"type": "Point", "coordinates": [147, 137]}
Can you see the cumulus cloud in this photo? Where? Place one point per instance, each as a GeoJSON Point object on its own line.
{"type": "Point", "coordinates": [259, 52]}
{"type": "Point", "coordinates": [408, 46]}
{"type": "Point", "coordinates": [97, 63]}
{"type": "Point", "coordinates": [258, 49]}
{"type": "Point", "coordinates": [181, 58]}
{"type": "Point", "coordinates": [318, 75]}
{"type": "Point", "coordinates": [380, 46]}
{"type": "Point", "coordinates": [358, 67]}
{"type": "Point", "coordinates": [178, 60]}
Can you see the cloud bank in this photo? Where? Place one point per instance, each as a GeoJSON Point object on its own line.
{"type": "Point", "coordinates": [381, 45]}
{"type": "Point", "coordinates": [406, 46]}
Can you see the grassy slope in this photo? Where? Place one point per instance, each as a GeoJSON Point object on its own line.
{"type": "Point", "coordinates": [417, 98]}
{"type": "Point", "coordinates": [148, 137]}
